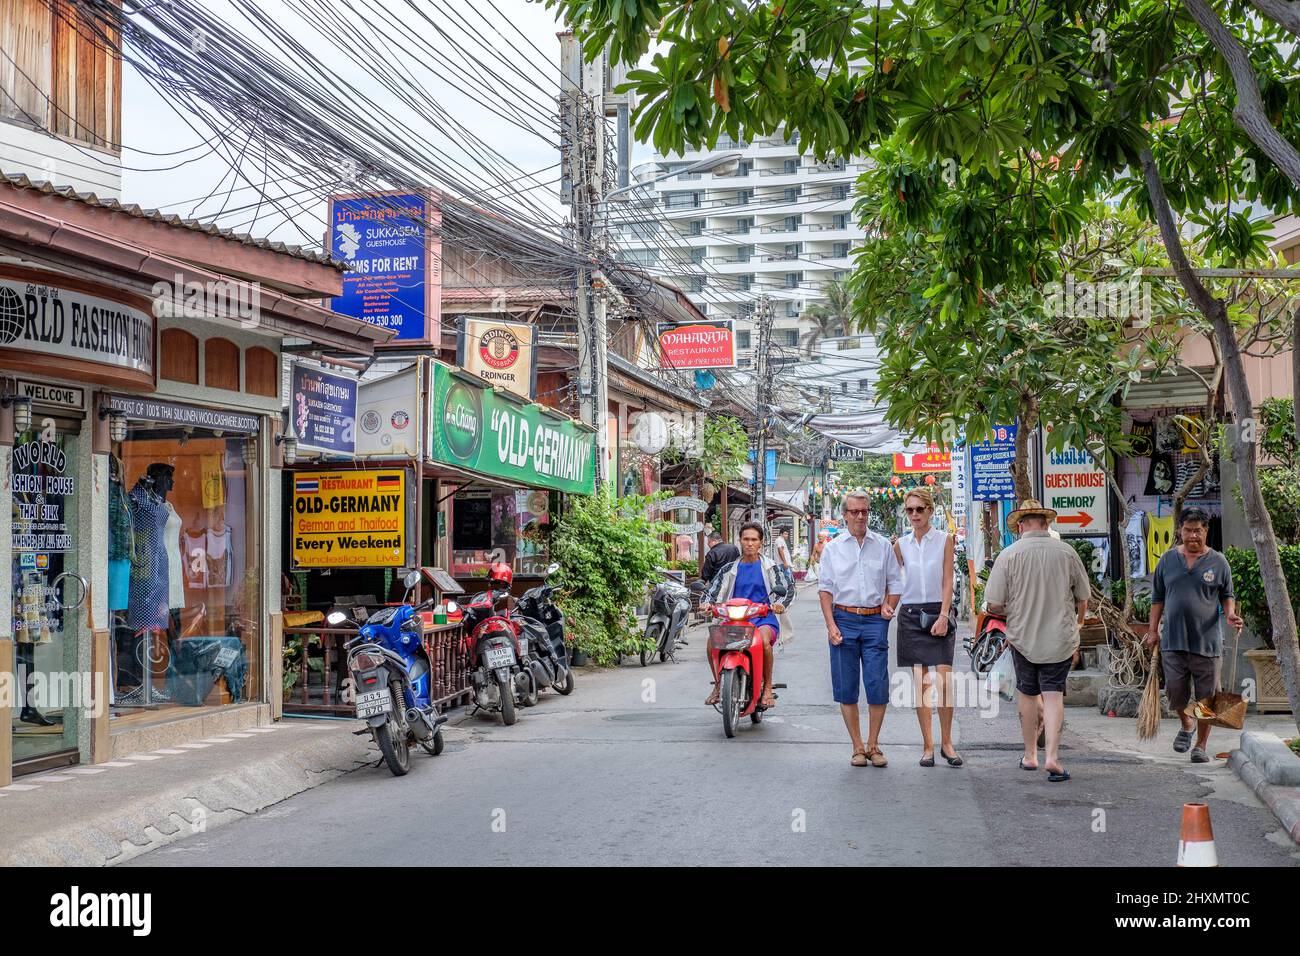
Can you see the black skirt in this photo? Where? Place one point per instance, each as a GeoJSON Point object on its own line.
{"type": "Point", "coordinates": [916, 645]}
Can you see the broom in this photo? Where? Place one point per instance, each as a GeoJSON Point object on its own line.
{"type": "Point", "coordinates": [1148, 715]}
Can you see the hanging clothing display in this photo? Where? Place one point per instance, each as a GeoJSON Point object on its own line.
{"type": "Point", "coordinates": [121, 539]}
{"type": "Point", "coordinates": [1142, 439]}
{"type": "Point", "coordinates": [175, 576]}
{"type": "Point", "coordinates": [1160, 538]}
{"type": "Point", "coordinates": [1186, 469]}
{"type": "Point", "coordinates": [1214, 538]}
{"type": "Point", "coordinates": [1169, 437]}
{"type": "Point", "coordinates": [221, 564]}
{"type": "Point", "coordinates": [1135, 541]}
{"type": "Point", "coordinates": [148, 605]}
{"type": "Point", "coordinates": [213, 487]}
{"type": "Point", "coordinates": [195, 544]}
{"type": "Point", "coordinates": [1160, 479]}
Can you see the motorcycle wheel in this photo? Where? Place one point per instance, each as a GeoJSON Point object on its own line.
{"type": "Point", "coordinates": [651, 634]}
{"type": "Point", "coordinates": [529, 699]}
{"type": "Point", "coordinates": [397, 753]}
{"type": "Point", "coordinates": [565, 688]}
{"type": "Point", "coordinates": [433, 747]}
{"type": "Point", "coordinates": [508, 715]}
{"type": "Point", "coordinates": [733, 700]}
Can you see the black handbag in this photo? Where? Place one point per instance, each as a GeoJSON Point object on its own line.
{"type": "Point", "coordinates": [928, 619]}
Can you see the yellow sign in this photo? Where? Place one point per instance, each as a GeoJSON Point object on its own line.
{"type": "Point", "coordinates": [349, 519]}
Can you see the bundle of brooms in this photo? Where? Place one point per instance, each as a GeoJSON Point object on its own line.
{"type": "Point", "coordinates": [1148, 715]}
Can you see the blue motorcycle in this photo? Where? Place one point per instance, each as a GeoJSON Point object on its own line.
{"type": "Point", "coordinates": [392, 681]}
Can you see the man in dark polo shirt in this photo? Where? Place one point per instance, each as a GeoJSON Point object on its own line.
{"type": "Point", "coordinates": [1191, 585]}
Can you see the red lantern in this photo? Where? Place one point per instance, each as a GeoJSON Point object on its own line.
{"type": "Point", "coordinates": [895, 481]}
{"type": "Point", "coordinates": [929, 479]}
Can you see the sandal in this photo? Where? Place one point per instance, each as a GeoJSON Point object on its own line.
{"type": "Point", "coordinates": [1025, 766]}
{"type": "Point", "coordinates": [1057, 776]}
{"type": "Point", "coordinates": [877, 758]}
{"type": "Point", "coordinates": [859, 758]}
{"type": "Point", "coordinates": [713, 698]}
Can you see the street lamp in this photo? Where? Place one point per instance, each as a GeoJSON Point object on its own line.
{"type": "Point", "coordinates": [723, 163]}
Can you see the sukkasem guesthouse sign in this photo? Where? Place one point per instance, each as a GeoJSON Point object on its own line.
{"type": "Point", "coordinates": [102, 333]}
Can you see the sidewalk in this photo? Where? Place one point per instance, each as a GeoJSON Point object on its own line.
{"type": "Point", "coordinates": [105, 814]}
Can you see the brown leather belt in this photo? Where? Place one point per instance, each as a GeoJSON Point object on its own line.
{"type": "Point", "coordinates": [864, 611]}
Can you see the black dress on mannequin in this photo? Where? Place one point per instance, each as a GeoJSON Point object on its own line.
{"type": "Point", "coordinates": [148, 612]}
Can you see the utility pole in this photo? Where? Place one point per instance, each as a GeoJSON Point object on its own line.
{"type": "Point", "coordinates": [763, 370]}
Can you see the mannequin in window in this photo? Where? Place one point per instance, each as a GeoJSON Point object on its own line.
{"type": "Point", "coordinates": [148, 610]}
{"type": "Point", "coordinates": [121, 555]}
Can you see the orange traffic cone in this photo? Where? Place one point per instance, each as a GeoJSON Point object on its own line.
{"type": "Point", "coordinates": [1196, 842]}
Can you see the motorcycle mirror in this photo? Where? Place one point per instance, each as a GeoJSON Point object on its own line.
{"type": "Point", "coordinates": [552, 569]}
{"type": "Point", "coordinates": [336, 618]}
{"type": "Point", "coordinates": [452, 607]}
{"type": "Point", "coordinates": [411, 580]}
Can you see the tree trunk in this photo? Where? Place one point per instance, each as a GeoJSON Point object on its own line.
{"type": "Point", "coordinates": [1295, 383]}
{"type": "Point", "coordinates": [1244, 449]}
{"type": "Point", "coordinates": [1028, 421]}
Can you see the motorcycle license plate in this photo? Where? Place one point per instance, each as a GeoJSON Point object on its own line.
{"type": "Point", "coordinates": [372, 703]}
{"type": "Point", "coordinates": [500, 657]}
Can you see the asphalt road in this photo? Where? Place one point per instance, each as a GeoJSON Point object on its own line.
{"type": "Point", "coordinates": [633, 769]}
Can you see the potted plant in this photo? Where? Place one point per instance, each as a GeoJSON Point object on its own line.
{"type": "Point", "coordinates": [1252, 602]}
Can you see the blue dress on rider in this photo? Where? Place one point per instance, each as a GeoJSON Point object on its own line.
{"type": "Point", "coordinates": [750, 584]}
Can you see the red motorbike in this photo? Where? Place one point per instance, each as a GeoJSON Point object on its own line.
{"type": "Point", "coordinates": [736, 654]}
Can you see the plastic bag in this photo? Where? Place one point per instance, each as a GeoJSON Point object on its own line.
{"type": "Point", "coordinates": [1002, 676]}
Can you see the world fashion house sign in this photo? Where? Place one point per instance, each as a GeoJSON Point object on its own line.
{"type": "Point", "coordinates": [89, 325]}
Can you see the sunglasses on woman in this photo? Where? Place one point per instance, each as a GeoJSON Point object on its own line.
{"type": "Point", "coordinates": [916, 511]}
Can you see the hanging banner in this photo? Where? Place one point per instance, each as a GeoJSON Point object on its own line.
{"type": "Point", "coordinates": [843, 452]}
{"type": "Point", "coordinates": [933, 459]}
{"type": "Point", "coordinates": [473, 427]}
{"type": "Point", "coordinates": [698, 345]}
{"type": "Point", "coordinates": [349, 519]}
{"type": "Point", "coordinates": [393, 278]}
{"type": "Point", "coordinates": [500, 353]}
{"type": "Point", "coordinates": [323, 409]}
{"type": "Point", "coordinates": [990, 466]}
{"type": "Point", "coordinates": [1075, 488]}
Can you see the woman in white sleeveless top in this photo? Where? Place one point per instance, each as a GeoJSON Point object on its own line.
{"type": "Point", "coordinates": [926, 629]}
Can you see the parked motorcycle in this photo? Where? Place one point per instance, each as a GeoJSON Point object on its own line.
{"type": "Point", "coordinates": [497, 676]}
{"type": "Point", "coordinates": [542, 623]}
{"type": "Point", "coordinates": [670, 611]}
{"type": "Point", "coordinates": [392, 681]}
{"type": "Point", "coordinates": [986, 642]}
{"type": "Point", "coordinates": [736, 651]}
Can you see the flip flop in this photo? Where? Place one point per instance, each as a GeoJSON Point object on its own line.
{"type": "Point", "coordinates": [1023, 767]}
{"type": "Point", "coordinates": [1054, 776]}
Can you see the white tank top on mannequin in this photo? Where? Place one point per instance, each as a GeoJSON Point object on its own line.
{"type": "Point", "coordinates": [923, 567]}
{"type": "Point", "coordinates": [175, 570]}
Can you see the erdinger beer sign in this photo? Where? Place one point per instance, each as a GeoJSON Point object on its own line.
{"type": "Point", "coordinates": [698, 345]}
{"type": "Point", "coordinates": [500, 353]}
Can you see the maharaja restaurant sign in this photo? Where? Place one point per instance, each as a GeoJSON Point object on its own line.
{"type": "Point", "coordinates": [698, 345]}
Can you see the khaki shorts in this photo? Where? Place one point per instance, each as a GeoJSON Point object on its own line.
{"type": "Point", "coordinates": [1183, 670]}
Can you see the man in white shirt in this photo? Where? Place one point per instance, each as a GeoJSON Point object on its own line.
{"type": "Point", "coordinates": [860, 583]}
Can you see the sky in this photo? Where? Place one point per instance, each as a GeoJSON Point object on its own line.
{"type": "Point", "coordinates": [504, 34]}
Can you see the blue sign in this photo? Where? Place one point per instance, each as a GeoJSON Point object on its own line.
{"type": "Point", "coordinates": [382, 239]}
{"type": "Point", "coordinates": [324, 410]}
{"type": "Point", "coordinates": [770, 470]}
{"type": "Point", "coordinates": [990, 466]}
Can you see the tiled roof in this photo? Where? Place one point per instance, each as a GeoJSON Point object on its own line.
{"type": "Point", "coordinates": [21, 181]}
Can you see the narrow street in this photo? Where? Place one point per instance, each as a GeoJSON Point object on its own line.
{"type": "Point", "coordinates": [633, 769]}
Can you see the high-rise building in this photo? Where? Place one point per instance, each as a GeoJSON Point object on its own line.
{"type": "Point", "coordinates": [780, 224]}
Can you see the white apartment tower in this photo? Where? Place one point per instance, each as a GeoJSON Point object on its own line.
{"type": "Point", "coordinates": [781, 224]}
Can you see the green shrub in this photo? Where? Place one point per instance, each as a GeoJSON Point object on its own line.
{"type": "Point", "coordinates": [608, 552]}
{"type": "Point", "coordinates": [1252, 602]}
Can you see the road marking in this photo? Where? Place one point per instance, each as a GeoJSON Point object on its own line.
{"type": "Point", "coordinates": [263, 730]}
{"type": "Point", "coordinates": [142, 757]}
{"type": "Point", "coordinates": [193, 746]}
{"type": "Point", "coordinates": [216, 740]}
{"type": "Point", "coordinates": [84, 770]}
{"type": "Point", "coordinates": [53, 778]}
{"type": "Point", "coordinates": [169, 752]}
{"type": "Point", "coordinates": [18, 788]}
{"type": "Point", "coordinates": [116, 763]}
{"type": "Point", "coordinates": [238, 735]}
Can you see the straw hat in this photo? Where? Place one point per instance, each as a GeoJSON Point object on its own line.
{"type": "Point", "coordinates": [1030, 506]}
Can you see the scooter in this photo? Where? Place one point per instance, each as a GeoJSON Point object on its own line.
{"type": "Point", "coordinates": [497, 678]}
{"type": "Point", "coordinates": [736, 652]}
{"type": "Point", "coordinates": [670, 608]}
{"type": "Point", "coordinates": [392, 680]}
{"type": "Point", "coordinates": [542, 622]}
{"type": "Point", "coordinates": [986, 643]}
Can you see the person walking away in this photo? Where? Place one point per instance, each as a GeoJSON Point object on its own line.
{"type": "Point", "coordinates": [720, 554]}
{"type": "Point", "coordinates": [761, 580]}
{"type": "Point", "coordinates": [1191, 592]}
{"type": "Point", "coordinates": [859, 584]}
{"type": "Point", "coordinates": [926, 631]}
{"type": "Point", "coordinates": [1039, 584]}
{"type": "Point", "coordinates": [815, 556]}
{"type": "Point", "coordinates": [782, 549]}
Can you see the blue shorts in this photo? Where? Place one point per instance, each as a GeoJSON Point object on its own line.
{"type": "Point", "coordinates": [865, 650]}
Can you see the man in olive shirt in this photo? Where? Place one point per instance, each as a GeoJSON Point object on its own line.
{"type": "Point", "coordinates": [1040, 585]}
{"type": "Point", "coordinates": [1189, 586]}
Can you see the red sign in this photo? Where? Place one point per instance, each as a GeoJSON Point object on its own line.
{"type": "Point", "coordinates": [699, 345]}
{"type": "Point", "coordinates": [932, 460]}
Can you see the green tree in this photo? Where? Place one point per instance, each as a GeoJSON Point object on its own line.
{"type": "Point", "coordinates": [1187, 108]}
{"type": "Point", "coordinates": [830, 318]}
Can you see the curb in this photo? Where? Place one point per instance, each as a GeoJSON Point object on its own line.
{"type": "Point", "coordinates": [1283, 801]}
{"type": "Point", "coordinates": [128, 831]}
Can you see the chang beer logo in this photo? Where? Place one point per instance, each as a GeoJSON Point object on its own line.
{"type": "Point", "coordinates": [462, 420]}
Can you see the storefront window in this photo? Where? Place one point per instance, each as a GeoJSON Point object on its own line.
{"type": "Point", "coordinates": [184, 586]}
{"type": "Point", "coordinates": [47, 587]}
{"type": "Point", "coordinates": [506, 526]}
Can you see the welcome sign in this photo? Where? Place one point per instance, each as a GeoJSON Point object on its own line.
{"type": "Point", "coordinates": [478, 429]}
